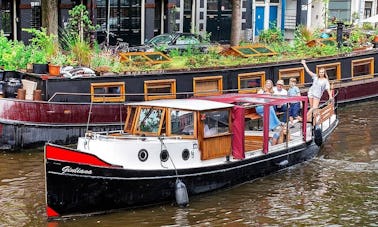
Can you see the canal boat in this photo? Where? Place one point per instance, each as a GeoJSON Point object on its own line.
{"type": "Point", "coordinates": [177, 148]}
{"type": "Point", "coordinates": [60, 114]}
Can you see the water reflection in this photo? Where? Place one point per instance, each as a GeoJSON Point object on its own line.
{"type": "Point", "coordinates": [338, 188]}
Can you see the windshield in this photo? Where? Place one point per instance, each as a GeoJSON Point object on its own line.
{"type": "Point", "coordinates": [149, 120]}
{"type": "Point", "coordinates": [160, 39]}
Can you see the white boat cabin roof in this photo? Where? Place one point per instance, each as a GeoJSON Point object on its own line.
{"type": "Point", "coordinates": [186, 104]}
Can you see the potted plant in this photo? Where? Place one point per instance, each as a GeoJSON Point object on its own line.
{"type": "Point", "coordinates": [39, 62]}
{"type": "Point", "coordinates": [55, 63]}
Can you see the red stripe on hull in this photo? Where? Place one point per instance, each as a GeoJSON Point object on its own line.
{"type": "Point", "coordinates": [67, 155]}
{"type": "Point", "coordinates": [51, 213]}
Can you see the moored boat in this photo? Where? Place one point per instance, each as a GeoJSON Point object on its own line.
{"type": "Point", "coordinates": [61, 116]}
{"type": "Point", "coordinates": [208, 144]}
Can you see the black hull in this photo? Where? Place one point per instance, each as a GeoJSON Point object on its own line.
{"type": "Point", "coordinates": [106, 189]}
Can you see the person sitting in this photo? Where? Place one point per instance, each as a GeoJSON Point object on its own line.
{"type": "Point", "coordinates": [267, 89]}
{"type": "Point", "coordinates": [294, 109]}
{"type": "Point", "coordinates": [274, 122]}
{"type": "Point", "coordinates": [280, 90]}
{"type": "Point", "coordinates": [280, 136]}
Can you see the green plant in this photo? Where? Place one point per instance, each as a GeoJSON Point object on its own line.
{"type": "Point", "coordinates": [59, 59]}
{"type": "Point", "coordinates": [79, 23]}
{"type": "Point", "coordinates": [271, 35]}
{"type": "Point", "coordinates": [38, 57]}
{"type": "Point", "coordinates": [42, 41]}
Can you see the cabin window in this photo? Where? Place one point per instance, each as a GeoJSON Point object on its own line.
{"type": "Point", "coordinates": [297, 73]}
{"type": "Point", "coordinates": [131, 110]}
{"type": "Point", "coordinates": [363, 68]}
{"type": "Point", "coordinates": [182, 122]}
{"type": "Point", "coordinates": [250, 82]}
{"type": "Point", "coordinates": [108, 92]}
{"type": "Point", "coordinates": [333, 70]}
{"type": "Point", "coordinates": [159, 89]}
{"type": "Point", "coordinates": [215, 122]}
{"type": "Point", "coordinates": [150, 120]}
{"type": "Point", "coordinates": [203, 86]}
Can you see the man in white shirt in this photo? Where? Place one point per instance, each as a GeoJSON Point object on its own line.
{"type": "Point", "coordinates": [279, 90]}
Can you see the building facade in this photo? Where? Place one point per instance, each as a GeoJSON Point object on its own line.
{"type": "Point", "coordinates": [137, 20]}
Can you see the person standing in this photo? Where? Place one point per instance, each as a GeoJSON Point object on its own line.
{"type": "Point", "coordinates": [319, 85]}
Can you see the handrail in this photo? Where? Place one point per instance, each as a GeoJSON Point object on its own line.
{"type": "Point", "coordinates": [181, 94]}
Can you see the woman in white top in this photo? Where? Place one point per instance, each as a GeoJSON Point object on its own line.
{"type": "Point", "coordinates": [319, 85]}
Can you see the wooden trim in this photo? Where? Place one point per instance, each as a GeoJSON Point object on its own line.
{"type": "Point", "coordinates": [218, 79]}
{"type": "Point", "coordinates": [120, 98]}
{"type": "Point", "coordinates": [169, 125]}
{"type": "Point", "coordinates": [361, 62]}
{"type": "Point", "coordinates": [126, 57]}
{"type": "Point", "coordinates": [298, 69]}
{"type": "Point", "coordinates": [160, 84]}
{"type": "Point", "coordinates": [214, 146]}
{"type": "Point", "coordinates": [135, 129]}
{"type": "Point", "coordinates": [129, 111]}
{"type": "Point", "coordinates": [331, 65]}
{"type": "Point", "coordinates": [241, 76]}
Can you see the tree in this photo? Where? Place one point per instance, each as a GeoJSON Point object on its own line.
{"type": "Point", "coordinates": [235, 22]}
{"type": "Point", "coordinates": [50, 16]}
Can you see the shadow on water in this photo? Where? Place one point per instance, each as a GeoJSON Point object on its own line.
{"type": "Point", "coordinates": [338, 188]}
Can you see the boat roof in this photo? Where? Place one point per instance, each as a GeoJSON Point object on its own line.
{"type": "Point", "coordinates": [255, 99]}
{"type": "Point", "coordinates": [186, 104]}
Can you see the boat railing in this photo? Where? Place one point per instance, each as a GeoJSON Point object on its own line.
{"type": "Point", "coordinates": [188, 94]}
{"type": "Point", "coordinates": [120, 134]}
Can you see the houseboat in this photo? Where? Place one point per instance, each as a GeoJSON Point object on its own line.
{"type": "Point", "coordinates": [176, 148]}
{"type": "Point", "coordinates": [61, 114]}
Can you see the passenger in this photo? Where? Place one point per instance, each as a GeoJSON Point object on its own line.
{"type": "Point", "coordinates": [280, 90]}
{"type": "Point", "coordinates": [280, 136]}
{"type": "Point", "coordinates": [267, 89]}
{"type": "Point", "coordinates": [319, 85]}
{"type": "Point", "coordinates": [295, 108]}
{"type": "Point", "coordinates": [274, 122]}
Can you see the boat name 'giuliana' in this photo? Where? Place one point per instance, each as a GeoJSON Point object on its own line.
{"type": "Point", "coordinates": [69, 169]}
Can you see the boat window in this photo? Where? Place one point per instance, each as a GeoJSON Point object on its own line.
{"type": "Point", "coordinates": [211, 85]}
{"type": "Point", "coordinates": [333, 70]}
{"type": "Point", "coordinates": [159, 89]}
{"type": "Point", "coordinates": [131, 110]}
{"type": "Point", "coordinates": [108, 92]}
{"type": "Point", "coordinates": [363, 68]}
{"type": "Point", "coordinates": [150, 120]}
{"type": "Point", "coordinates": [250, 82]}
{"type": "Point", "coordinates": [182, 122]}
{"type": "Point", "coordinates": [297, 73]}
{"type": "Point", "coordinates": [215, 122]}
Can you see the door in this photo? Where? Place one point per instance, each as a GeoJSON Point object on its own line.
{"type": "Point", "coordinates": [123, 19]}
{"type": "Point", "coordinates": [259, 20]}
{"type": "Point", "coordinates": [6, 15]}
{"type": "Point", "coordinates": [218, 23]}
{"type": "Point", "coordinates": [273, 16]}
{"type": "Point", "coordinates": [188, 16]}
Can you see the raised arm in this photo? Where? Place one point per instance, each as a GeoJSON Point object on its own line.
{"type": "Point", "coordinates": [307, 69]}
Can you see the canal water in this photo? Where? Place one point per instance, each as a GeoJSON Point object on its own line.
{"type": "Point", "coordinates": [337, 188]}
